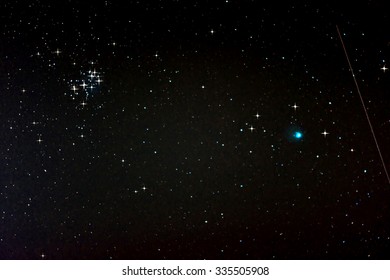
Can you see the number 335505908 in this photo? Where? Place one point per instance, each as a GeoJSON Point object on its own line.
{"type": "Point", "coordinates": [241, 270]}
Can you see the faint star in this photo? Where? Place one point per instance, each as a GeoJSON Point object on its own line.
{"type": "Point", "coordinates": [251, 128]}
{"type": "Point", "coordinates": [325, 133]}
{"type": "Point", "coordinates": [23, 90]}
{"type": "Point", "coordinates": [39, 140]}
{"type": "Point", "coordinates": [212, 31]}
{"type": "Point", "coordinates": [57, 52]}
{"type": "Point", "coordinates": [257, 115]}
{"type": "Point", "coordinates": [144, 188]}
{"type": "Point", "coordinates": [43, 255]}
{"type": "Point", "coordinates": [83, 104]}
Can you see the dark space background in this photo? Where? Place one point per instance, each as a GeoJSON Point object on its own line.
{"type": "Point", "coordinates": [165, 130]}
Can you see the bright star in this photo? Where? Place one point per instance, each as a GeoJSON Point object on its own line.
{"type": "Point", "coordinates": [251, 128]}
{"type": "Point", "coordinates": [384, 68]}
{"type": "Point", "coordinates": [57, 52]}
{"type": "Point", "coordinates": [325, 133]}
{"type": "Point", "coordinates": [295, 106]}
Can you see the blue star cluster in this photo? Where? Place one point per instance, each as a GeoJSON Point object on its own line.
{"type": "Point", "coordinates": [86, 86]}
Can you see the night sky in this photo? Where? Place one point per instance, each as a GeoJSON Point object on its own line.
{"type": "Point", "coordinates": [193, 130]}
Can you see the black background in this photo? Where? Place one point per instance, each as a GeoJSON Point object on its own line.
{"type": "Point", "coordinates": [161, 162]}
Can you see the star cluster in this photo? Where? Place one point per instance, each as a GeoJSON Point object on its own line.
{"type": "Point", "coordinates": [193, 130]}
{"type": "Point", "coordinates": [86, 86]}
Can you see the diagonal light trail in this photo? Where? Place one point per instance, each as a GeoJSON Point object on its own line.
{"type": "Point", "coordinates": [364, 105]}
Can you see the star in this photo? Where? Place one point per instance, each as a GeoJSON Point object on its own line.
{"type": "Point", "coordinates": [295, 106]}
{"type": "Point", "coordinates": [23, 90]}
{"type": "Point", "coordinates": [43, 255]}
{"type": "Point", "coordinates": [39, 140]}
{"type": "Point", "coordinates": [384, 68]}
{"type": "Point", "coordinates": [83, 104]}
{"type": "Point", "coordinates": [325, 133]}
{"type": "Point", "coordinates": [212, 31]}
{"type": "Point", "coordinates": [57, 52]}
{"type": "Point", "coordinates": [144, 188]}
{"type": "Point", "coordinates": [251, 128]}
{"type": "Point", "coordinates": [74, 89]}
{"type": "Point", "coordinates": [257, 115]}
{"type": "Point", "coordinates": [84, 85]}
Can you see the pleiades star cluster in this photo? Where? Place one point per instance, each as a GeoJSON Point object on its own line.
{"type": "Point", "coordinates": [193, 130]}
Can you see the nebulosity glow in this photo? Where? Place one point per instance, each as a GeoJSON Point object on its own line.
{"type": "Point", "coordinates": [298, 135]}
